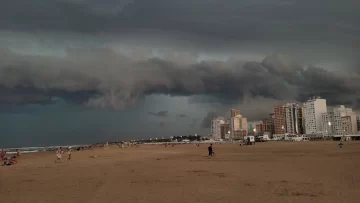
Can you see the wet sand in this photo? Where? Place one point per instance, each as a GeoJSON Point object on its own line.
{"type": "Point", "coordinates": [270, 172]}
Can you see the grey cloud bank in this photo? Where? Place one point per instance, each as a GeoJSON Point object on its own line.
{"type": "Point", "coordinates": [101, 78]}
{"type": "Point", "coordinates": [206, 123]}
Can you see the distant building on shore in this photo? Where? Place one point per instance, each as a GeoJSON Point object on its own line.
{"type": "Point", "coordinates": [346, 126]}
{"type": "Point", "coordinates": [293, 117]}
{"type": "Point", "coordinates": [269, 124]}
{"type": "Point", "coordinates": [216, 127]}
{"type": "Point", "coordinates": [313, 110]}
{"type": "Point", "coordinates": [301, 122]}
{"type": "Point", "coordinates": [339, 121]}
{"type": "Point", "coordinates": [225, 129]}
{"type": "Point", "coordinates": [239, 134]}
{"type": "Point", "coordinates": [260, 128]}
{"type": "Point", "coordinates": [238, 125]}
{"type": "Point", "coordinates": [235, 127]}
{"type": "Point", "coordinates": [234, 112]}
{"type": "Point", "coordinates": [280, 119]}
{"type": "Point", "coordinates": [358, 123]}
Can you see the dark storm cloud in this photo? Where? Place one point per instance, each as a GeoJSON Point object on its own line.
{"type": "Point", "coordinates": [23, 95]}
{"type": "Point", "coordinates": [160, 113]}
{"type": "Point", "coordinates": [12, 109]}
{"type": "Point", "coordinates": [231, 19]}
{"type": "Point", "coordinates": [193, 124]}
{"type": "Point", "coordinates": [102, 78]}
{"type": "Point", "coordinates": [357, 104]}
{"type": "Point", "coordinates": [206, 123]}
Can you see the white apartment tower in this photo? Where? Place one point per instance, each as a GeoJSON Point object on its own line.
{"type": "Point", "coordinates": [216, 127]}
{"type": "Point", "coordinates": [327, 123]}
{"type": "Point", "coordinates": [313, 110]}
{"type": "Point", "coordinates": [346, 125]}
{"type": "Point", "coordinates": [339, 121]}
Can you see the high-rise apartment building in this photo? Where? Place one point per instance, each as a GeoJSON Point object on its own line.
{"type": "Point", "coordinates": [300, 120]}
{"type": "Point", "coordinates": [216, 127]}
{"type": "Point", "coordinates": [225, 129]}
{"type": "Point", "coordinates": [238, 125]}
{"type": "Point", "coordinates": [235, 127]}
{"type": "Point", "coordinates": [279, 119]}
{"type": "Point", "coordinates": [269, 124]}
{"type": "Point", "coordinates": [244, 125]}
{"type": "Point", "coordinates": [337, 121]}
{"type": "Point", "coordinates": [239, 134]}
{"type": "Point", "coordinates": [346, 125]}
{"type": "Point", "coordinates": [328, 123]}
{"type": "Point", "coordinates": [313, 110]}
{"type": "Point", "coordinates": [259, 128]}
{"type": "Point", "coordinates": [353, 122]}
{"type": "Point", "coordinates": [235, 123]}
{"type": "Point", "coordinates": [293, 116]}
{"type": "Point", "coordinates": [234, 112]}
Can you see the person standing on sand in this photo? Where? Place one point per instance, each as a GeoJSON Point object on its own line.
{"type": "Point", "coordinates": [210, 150]}
{"type": "Point", "coordinates": [2, 155]}
{"type": "Point", "coordinates": [59, 153]}
{"type": "Point", "coordinates": [18, 152]}
{"type": "Point", "coordinates": [69, 153]}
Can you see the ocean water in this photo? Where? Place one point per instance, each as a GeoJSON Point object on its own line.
{"type": "Point", "coordinates": [25, 150]}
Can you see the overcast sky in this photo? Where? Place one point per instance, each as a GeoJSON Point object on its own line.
{"type": "Point", "coordinates": [80, 71]}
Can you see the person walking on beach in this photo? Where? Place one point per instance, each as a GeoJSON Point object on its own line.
{"type": "Point", "coordinates": [210, 149]}
{"type": "Point", "coordinates": [69, 153]}
{"type": "Point", "coordinates": [18, 153]}
{"type": "Point", "coordinates": [2, 155]}
{"type": "Point", "coordinates": [59, 153]}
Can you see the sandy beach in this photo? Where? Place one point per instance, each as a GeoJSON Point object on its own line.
{"type": "Point", "coordinates": [267, 172]}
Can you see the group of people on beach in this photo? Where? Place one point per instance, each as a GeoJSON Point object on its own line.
{"type": "Point", "coordinates": [166, 144]}
{"type": "Point", "coordinates": [126, 144]}
{"type": "Point", "coordinates": [60, 152]}
{"type": "Point", "coordinates": [8, 161]}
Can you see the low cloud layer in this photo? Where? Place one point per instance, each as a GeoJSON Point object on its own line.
{"type": "Point", "coordinates": [102, 78]}
{"type": "Point", "coordinates": [206, 123]}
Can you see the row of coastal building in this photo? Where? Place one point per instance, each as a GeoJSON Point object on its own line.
{"type": "Point", "coordinates": [313, 118]}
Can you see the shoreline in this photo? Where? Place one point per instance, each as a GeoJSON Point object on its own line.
{"type": "Point", "coordinates": [26, 150]}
